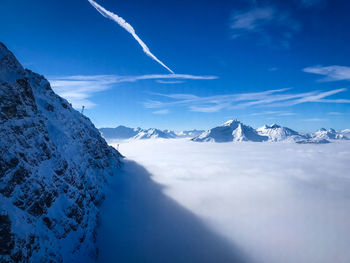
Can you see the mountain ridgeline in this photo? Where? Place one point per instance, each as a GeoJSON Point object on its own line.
{"type": "Point", "coordinates": [54, 167]}
{"type": "Point", "coordinates": [235, 131]}
{"type": "Point", "coordinates": [230, 131]}
{"type": "Point", "coordinates": [126, 133]}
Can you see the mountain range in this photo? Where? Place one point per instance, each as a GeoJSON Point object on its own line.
{"type": "Point", "coordinates": [230, 131]}
{"type": "Point", "coordinates": [235, 131]}
{"type": "Point", "coordinates": [123, 133]}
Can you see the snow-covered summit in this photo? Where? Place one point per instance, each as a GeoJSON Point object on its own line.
{"type": "Point", "coordinates": [152, 134]}
{"type": "Point", "coordinates": [330, 134]}
{"type": "Point", "coordinates": [53, 169]}
{"type": "Point", "coordinates": [232, 130]}
{"type": "Point", "coordinates": [230, 122]}
{"type": "Point", "coordinates": [277, 133]}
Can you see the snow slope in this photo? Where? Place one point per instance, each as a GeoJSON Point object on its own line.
{"type": "Point", "coordinates": [232, 130]}
{"type": "Point", "coordinates": [53, 169]}
{"type": "Point", "coordinates": [346, 133]}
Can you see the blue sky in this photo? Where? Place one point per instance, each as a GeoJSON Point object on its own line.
{"type": "Point", "coordinates": [259, 61]}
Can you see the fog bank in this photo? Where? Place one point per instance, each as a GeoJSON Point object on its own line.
{"type": "Point", "coordinates": [278, 202]}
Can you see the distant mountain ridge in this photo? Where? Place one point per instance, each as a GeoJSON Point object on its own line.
{"type": "Point", "coordinates": [230, 131]}
{"type": "Point", "coordinates": [235, 131]}
{"type": "Point", "coordinates": [120, 132]}
{"type": "Point", "coordinates": [125, 133]}
{"type": "Point", "coordinates": [329, 134]}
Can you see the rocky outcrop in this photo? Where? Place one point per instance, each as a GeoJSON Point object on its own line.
{"type": "Point", "coordinates": [53, 171]}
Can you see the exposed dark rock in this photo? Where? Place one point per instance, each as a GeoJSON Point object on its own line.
{"type": "Point", "coordinates": [49, 152]}
{"type": "Point", "coordinates": [6, 237]}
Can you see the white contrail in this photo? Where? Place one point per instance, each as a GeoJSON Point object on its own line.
{"type": "Point", "coordinates": [128, 28]}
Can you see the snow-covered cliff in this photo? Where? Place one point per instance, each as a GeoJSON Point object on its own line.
{"type": "Point", "coordinates": [53, 171]}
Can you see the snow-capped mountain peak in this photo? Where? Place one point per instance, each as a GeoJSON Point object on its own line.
{"type": "Point", "coordinates": [151, 134]}
{"type": "Point", "coordinates": [232, 130]}
{"type": "Point", "coordinates": [277, 133]}
{"type": "Point", "coordinates": [329, 134]}
{"type": "Point", "coordinates": [231, 123]}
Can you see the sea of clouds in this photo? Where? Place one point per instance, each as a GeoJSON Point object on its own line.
{"type": "Point", "coordinates": [278, 202]}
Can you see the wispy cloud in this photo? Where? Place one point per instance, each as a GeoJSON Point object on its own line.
{"type": "Point", "coordinates": [268, 22]}
{"type": "Point", "coordinates": [161, 112]}
{"type": "Point", "coordinates": [287, 114]}
{"type": "Point", "coordinates": [275, 113]}
{"type": "Point", "coordinates": [332, 73]}
{"type": "Point", "coordinates": [170, 81]}
{"type": "Point", "coordinates": [79, 88]}
{"type": "Point", "coordinates": [311, 3]}
{"type": "Point", "coordinates": [269, 98]}
{"type": "Point", "coordinates": [334, 113]}
{"type": "Point", "coordinates": [252, 19]}
{"type": "Point", "coordinates": [129, 29]}
{"type": "Point", "coordinates": [314, 120]}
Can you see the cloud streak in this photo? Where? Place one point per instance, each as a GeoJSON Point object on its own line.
{"type": "Point", "coordinates": [161, 112]}
{"type": "Point", "coordinates": [268, 22]}
{"type": "Point", "coordinates": [332, 73]}
{"type": "Point", "coordinates": [268, 98]}
{"type": "Point", "coordinates": [276, 113]}
{"type": "Point", "coordinates": [129, 29]}
{"type": "Point", "coordinates": [79, 88]}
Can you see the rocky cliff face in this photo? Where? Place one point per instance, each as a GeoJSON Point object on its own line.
{"type": "Point", "coordinates": [53, 170]}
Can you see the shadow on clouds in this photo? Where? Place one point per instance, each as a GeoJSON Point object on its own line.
{"type": "Point", "coordinates": [141, 224]}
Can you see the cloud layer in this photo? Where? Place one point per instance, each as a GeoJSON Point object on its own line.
{"type": "Point", "coordinates": [129, 29]}
{"type": "Point", "coordinates": [278, 202]}
{"type": "Point", "coordinates": [78, 89]}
